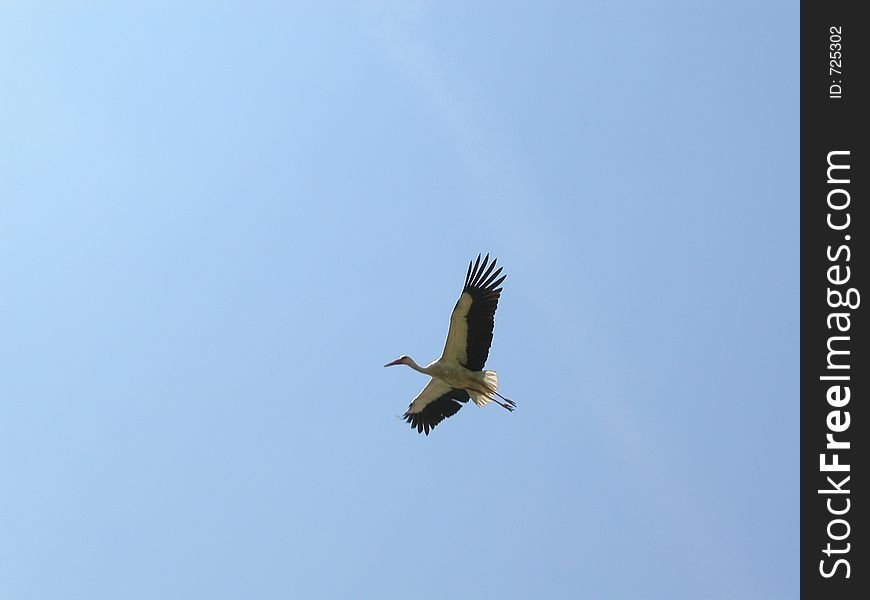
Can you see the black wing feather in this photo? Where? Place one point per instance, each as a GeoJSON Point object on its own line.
{"type": "Point", "coordinates": [436, 411]}
{"type": "Point", "coordinates": [482, 284]}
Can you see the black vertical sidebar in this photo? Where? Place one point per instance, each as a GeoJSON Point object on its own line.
{"type": "Point", "coordinates": [835, 371]}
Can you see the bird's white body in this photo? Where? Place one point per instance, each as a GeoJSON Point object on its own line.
{"type": "Point", "coordinates": [479, 384]}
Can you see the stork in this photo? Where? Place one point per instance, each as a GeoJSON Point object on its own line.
{"type": "Point", "coordinates": [458, 374]}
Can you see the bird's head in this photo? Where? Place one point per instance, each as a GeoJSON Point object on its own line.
{"type": "Point", "coordinates": [402, 360]}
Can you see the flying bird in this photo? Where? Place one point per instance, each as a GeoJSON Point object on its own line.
{"type": "Point", "coordinates": [458, 374]}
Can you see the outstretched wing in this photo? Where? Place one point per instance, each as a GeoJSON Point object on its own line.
{"type": "Point", "coordinates": [473, 318]}
{"type": "Point", "coordinates": [435, 403]}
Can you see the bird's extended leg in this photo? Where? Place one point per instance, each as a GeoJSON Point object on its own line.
{"type": "Point", "coordinates": [508, 404]}
{"type": "Point", "coordinates": [509, 407]}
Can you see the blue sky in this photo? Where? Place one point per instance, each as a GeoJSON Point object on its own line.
{"type": "Point", "coordinates": [219, 220]}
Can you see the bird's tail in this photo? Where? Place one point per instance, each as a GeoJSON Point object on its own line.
{"type": "Point", "coordinates": [490, 383]}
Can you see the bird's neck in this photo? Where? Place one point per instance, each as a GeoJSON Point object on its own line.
{"type": "Point", "coordinates": [417, 367]}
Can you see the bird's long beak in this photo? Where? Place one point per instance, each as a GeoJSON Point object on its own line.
{"type": "Point", "coordinates": [395, 362]}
